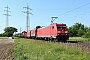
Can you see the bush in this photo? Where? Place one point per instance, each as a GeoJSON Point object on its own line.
{"type": "Point", "coordinates": [87, 34]}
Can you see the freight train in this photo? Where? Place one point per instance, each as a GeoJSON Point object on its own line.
{"type": "Point", "coordinates": [54, 32]}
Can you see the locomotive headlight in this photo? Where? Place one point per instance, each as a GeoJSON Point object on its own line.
{"type": "Point", "coordinates": [58, 31]}
{"type": "Point", "coordinates": [66, 31]}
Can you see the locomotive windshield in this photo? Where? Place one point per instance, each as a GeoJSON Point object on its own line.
{"type": "Point", "coordinates": [63, 27]}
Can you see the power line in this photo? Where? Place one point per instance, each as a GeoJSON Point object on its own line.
{"type": "Point", "coordinates": [79, 15]}
{"type": "Point", "coordinates": [72, 10]}
{"type": "Point", "coordinates": [75, 9]}
{"type": "Point", "coordinates": [27, 18]}
{"type": "Point", "coordinates": [7, 15]}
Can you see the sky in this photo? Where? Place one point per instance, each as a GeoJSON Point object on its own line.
{"type": "Point", "coordinates": [67, 11]}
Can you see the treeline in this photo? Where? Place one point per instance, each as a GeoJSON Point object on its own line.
{"type": "Point", "coordinates": [2, 35]}
{"type": "Point", "coordinates": [79, 30]}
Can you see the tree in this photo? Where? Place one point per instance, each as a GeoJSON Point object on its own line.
{"type": "Point", "coordinates": [9, 31]}
{"type": "Point", "coordinates": [87, 34]}
{"type": "Point", "coordinates": [80, 32]}
{"type": "Point", "coordinates": [77, 30]}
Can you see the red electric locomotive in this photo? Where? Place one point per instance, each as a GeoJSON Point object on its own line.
{"type": "Point", "coordinates": [53, 32]}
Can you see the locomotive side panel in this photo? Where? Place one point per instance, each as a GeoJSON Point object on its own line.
{"type": "Point", "coordinates": [43, 32]}
{"type": "Point", "coordinates": [47, 32]}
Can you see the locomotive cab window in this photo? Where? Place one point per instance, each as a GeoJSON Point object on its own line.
{"type": "Point", "coordinates": [52, 27]}
{"type": "Point", "coordinates": [63, 27]}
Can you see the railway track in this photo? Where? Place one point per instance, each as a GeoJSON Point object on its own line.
{"type": "Point", "coordinates": [83, 46]}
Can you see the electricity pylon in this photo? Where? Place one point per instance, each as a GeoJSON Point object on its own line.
{"type": "Point", "coordinates": [27, 17]}
{"type": "Point", "coordinates": [7, 15]}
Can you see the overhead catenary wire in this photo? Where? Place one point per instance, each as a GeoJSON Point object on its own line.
{"type": "Point", "coordinates": [71, 10]}
{"type": "Point", "coordinates": [79, 15]}
{"type": "Point", "coordinates": [74, 9]}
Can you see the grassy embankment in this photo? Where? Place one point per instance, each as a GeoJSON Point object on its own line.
{"type": "Point", "coordinates": [39, 50]}
{"type": "Point", "coordinates": [79, 39]}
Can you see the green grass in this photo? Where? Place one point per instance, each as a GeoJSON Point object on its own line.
{"type": "Point", "coordinates": [3, 37]}
{"type": "Point", "coordinates": [39, 50]}
{"type": "Point", "coordinates": [79, 39]}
